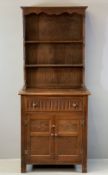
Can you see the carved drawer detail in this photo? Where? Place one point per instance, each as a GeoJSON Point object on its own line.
{"type": "Point", "coordinates": [53, 103]}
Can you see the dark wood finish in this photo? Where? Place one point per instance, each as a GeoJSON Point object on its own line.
{"type": "Point", "coordinates": [54, 99]}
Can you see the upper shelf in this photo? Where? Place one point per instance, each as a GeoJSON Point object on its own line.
{"type": "Point", "coordinates": [36, 41]}
{"type": "Point", "coordinates": [54, 65]}
{"type": "Point", "coordinates": [45, 27]}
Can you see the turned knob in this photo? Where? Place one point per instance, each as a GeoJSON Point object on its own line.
{"type": "Point", "coordinates": [53, 126]}
{"type": "Point", "coordinates": [74, 105]}
{"type": "Point", "coordinates": [34, 104]}
{"type": "Point", "coordinates": [56, 134]}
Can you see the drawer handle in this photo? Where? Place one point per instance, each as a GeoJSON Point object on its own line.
{"type": "Point", "coordinates": [56, 134]}
{"type": "Point", "coordinates": [35, 104]}
{"type": "Point", "coordinates": [75, 105]}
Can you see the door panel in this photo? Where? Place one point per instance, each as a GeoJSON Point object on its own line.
{"type": "Point", "coordinates": [67, 126]}
{"type": "Point", "coordinates": [37, 147]}
{"type": "Point", "coordinates": [68, 138]}
{"type": "Point", "coordinates": [53, 139]}
{"type": "Point", "coordinates": [40, 125]}
{"type": "Point", "coordinates": [66, 145]}
{"type": "Point", "coordinates": [41, 142]}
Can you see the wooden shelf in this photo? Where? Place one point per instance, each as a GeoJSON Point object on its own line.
{"type": "Point", "coordinates": [52, 42]}
{"type": "Point", "coordinates": [78, 91]}
{"type": "Point", "coordinates": [54, 65]}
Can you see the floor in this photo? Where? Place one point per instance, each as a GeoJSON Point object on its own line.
{"type": "Point", "coordinates": [95, 167]}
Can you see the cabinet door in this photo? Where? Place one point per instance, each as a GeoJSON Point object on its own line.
{"type": "Point", "coordinates": [68, 139]}
{"type": "Point", "coordinates": [40, 138]}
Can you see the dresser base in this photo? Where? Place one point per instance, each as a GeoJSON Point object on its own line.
{"type": "Point", "coordinates": [50, 166]}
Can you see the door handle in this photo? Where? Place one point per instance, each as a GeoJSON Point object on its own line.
{"type": "Point", "coordinates": [56, 134]}
{"type": "Point", "coordinates": [52, 134]}
{"type": "Point", "coordinates": [53, 126]}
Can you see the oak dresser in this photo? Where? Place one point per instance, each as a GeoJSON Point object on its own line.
{"type": "Point", "coordinates": [54, 99]}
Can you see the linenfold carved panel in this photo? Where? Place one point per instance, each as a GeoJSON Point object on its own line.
{"type": "Point", "coordinates": [54, 78]}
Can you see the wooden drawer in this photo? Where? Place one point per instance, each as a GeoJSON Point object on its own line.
{"type": "Point", "coordinates": [47, 103]}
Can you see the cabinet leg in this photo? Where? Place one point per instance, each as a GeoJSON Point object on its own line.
{"type": "Point", "coordinates": [23, 167]}
{"type": "Point", "coordinates": [84, 168]}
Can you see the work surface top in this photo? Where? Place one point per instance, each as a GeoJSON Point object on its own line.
{"type": "Point", "coordinates": [78, 91]}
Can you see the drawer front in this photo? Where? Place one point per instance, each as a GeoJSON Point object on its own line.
{"type": "Point", "coordinates": [47, 103]}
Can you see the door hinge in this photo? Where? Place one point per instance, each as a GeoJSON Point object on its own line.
{"type": "Point", "coordinates": [81, 150]}
{"type": "Point", "coordinates": [26, 122]}
{"type": "Point", "coordinates": [26, 152]}
{"type": "Point", "coordinates": [82, 123]}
